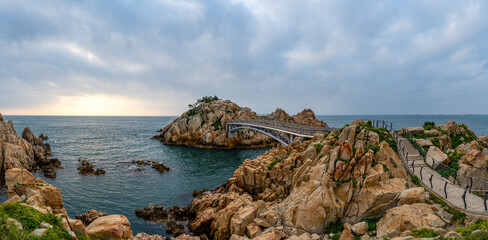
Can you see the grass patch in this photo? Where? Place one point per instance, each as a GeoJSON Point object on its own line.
{"type": "Point", "coordinates": [423, 233]}
{"type": "Point", "coordinates": [30, 220]}
{"type": "Point", "coordinates": [273, 163]}
{"type": "Point", "coordinates": [437, 200]}
{"type": "Point", "coordinates": [372, 223]}
{"type": "Point", "coordinates": [354, 183]}
{"type": "Point", "coordinates": [467, 230]}
{"type": "Point", "coordinates": [374, 148]}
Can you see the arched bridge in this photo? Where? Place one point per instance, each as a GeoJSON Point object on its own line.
{"type": "Point", "coordinates": [281, 131]}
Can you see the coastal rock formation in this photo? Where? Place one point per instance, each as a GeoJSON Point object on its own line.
{"type": "Point", "coordinates": [28, 152]}
{"type": "Point", "coordinates": [22, 184]}
{"type": "Point", "coordinates": [204, 126]}
{"type": "Point", "coordinates": [24, 188]}
{"type": "Point", "coordinates": [305, 186]}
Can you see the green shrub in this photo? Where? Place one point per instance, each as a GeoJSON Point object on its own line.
{"type": "Point", "coordinates": [458, 216]}
{"type": "Point", "coordinates": [415, 180]}
{"type": "Point", "coordinates": [354, 183]}
{"type": "Point", "coordinates": [467, 230]}
{"type": "Point", "coordinates": [318, 147]}
{"type": "Point", "coordinates": [336, 236]}
{"type": "Point", "coordinates": [217, 125]}
{"type": "Point", "coordinates": [372, 223]}
{"type": "Point", "coordinates": [374, 148]}
{"type": "Point", "coordinates": [429, 125]}
{"type": "Point", "coordinates": [334, 227]}
{"type": "Point", "coordinates": [437, 200]}
{"type": "Point", "coordinates": [423, 233]}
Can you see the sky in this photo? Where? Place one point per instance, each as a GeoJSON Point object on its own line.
{"type": "Point", "coordinates": [144, 57]}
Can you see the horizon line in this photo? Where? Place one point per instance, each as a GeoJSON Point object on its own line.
{"type": "Point", "coordinates": [394, 114]}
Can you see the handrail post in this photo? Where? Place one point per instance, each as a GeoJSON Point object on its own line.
{"type": "Point", "coordinates": [464, 199]}
{"type": "Point", "coordinates": [445, 189]}
{"type": "Point", "coordinates": [455, 176]}
{"type": "Point", "coordinates": [484, 201]}
{"type": "Point", "coordinates": [413, 168]}
{"type": "Point", "coordinates": [421, 168]}
{"type": "Point", "coordinates": [470, 184]}
{"type": "Point", "coordinates": [430, 180]}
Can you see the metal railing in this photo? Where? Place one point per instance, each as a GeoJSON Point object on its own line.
{"type": "Point", "coordinates": [436, 167]}
{"type": "Point", "coordinates": [283, 126]}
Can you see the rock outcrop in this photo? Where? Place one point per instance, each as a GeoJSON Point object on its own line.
{"type": "Point", "coordinates": [110, 227]}
{"type": "Point", "coordinates": [28, 152]}
{"type": "Point", "coordinates": [305, 186]}
{"type": "Point", "coordinates": [204, 126]}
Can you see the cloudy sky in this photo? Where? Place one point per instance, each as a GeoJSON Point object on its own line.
{"type": "Point", "coordinates": [155, 57]}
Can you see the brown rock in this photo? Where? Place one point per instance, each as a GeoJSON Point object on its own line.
{"type": "Point", "coordinates": [253, 230]}
{"type": "Point", "coordinates": [415, 130]}
{"type": "Point", "coordinates": [436, 156]}
{"type": "Point", "coordinates": [407, 217]}
{"type": "Point", "coordinates": [77, 226]}
{"type": "Point", "coordinates": [412, 195]}
{"type": "Point", "coordinates": [17, 176]}
{"type": "Point", "coordinates": [90, 216]}
{"type": "Point", "coordinates": [241, 219]}
{"type": "Point", "coordinates": [110, 227]}
{"type": "Point", "coordinates": [360, 228]}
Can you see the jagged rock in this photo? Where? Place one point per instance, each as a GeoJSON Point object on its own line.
{"type": "Point", "coordinates": [174, 229]}
{"type": "Point", "coordinates": [187, 237]}
{"type": "Point", "coordinates": [90, 216]}
{"type": "Point", "coordinates": [241, 219]}
{"type": "Point", "coordinates": [473, 164]}
{"type": "Point", "coordinates": [346, 235]}
{"type": "Point", "coordinates": [110, 227]}
{"type": "Point", "coordinates": [407, 217]}
{"type": "Point", "coordinates": [17, 176]}
{"type": "Point", "coordinates": [154, 213]}
{"type": "Point", "coordinates": [307, 187]}
{"type": "Point", "coordinates": [253, 230]}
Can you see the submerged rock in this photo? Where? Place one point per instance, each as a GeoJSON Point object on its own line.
{"type": "Point", "coordinates": [86, 168]}
{"type": "Point", "coordinates": [160, 167]}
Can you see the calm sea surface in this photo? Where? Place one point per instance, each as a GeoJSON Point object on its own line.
{"type": "Point", "coordinates": [112, 143]}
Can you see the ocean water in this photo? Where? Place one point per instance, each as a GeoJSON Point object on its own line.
{"type": "Point", "coordinates": [112, 143]}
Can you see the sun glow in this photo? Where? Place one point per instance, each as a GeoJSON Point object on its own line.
{"type": "Point", "coordinates": [96, 105]}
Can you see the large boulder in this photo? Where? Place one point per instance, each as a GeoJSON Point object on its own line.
{"type": "Point", "coordinates": [412, 195]}
{"type": "Point", "coordinates": [407, 217]}
{"type": "Point", "coordinates": [436, 157]}
{"type": "Point", "coordinates": [110, 227]}
{"type": "Point", "coordinates": [415, 130]}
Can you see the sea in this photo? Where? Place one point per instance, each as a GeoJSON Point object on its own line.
{"type": "Point", "coordinates": [111, 143]}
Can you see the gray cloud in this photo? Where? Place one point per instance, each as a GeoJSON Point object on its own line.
{"type": "Point", "coordinates": [344, 57]}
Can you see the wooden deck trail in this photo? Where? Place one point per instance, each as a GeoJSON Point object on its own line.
{"type": "Point", "coordinates": [474, 204]}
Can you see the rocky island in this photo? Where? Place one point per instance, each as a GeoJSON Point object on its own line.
{"type": "Point", "coordinates": [204, 125]}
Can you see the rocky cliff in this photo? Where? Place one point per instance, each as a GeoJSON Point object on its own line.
{"type": "Point", "coordinates": [28, 152]}
{"type": "Point", "coordinates": [204, 126]}
{"type": "Point", "coordinates": [349, 175]}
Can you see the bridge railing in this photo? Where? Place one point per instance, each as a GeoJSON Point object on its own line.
{"type": "Point", "coordinates": [439, 167]}
{"type": "Point", "coordinates": [290, 127]}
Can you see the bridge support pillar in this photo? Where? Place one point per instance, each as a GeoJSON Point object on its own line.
{"type": "Point", "coordinates": [232, 134]}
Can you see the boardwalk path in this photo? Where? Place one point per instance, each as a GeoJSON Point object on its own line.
{"type": "Point", "coordinates": [438, 185]}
